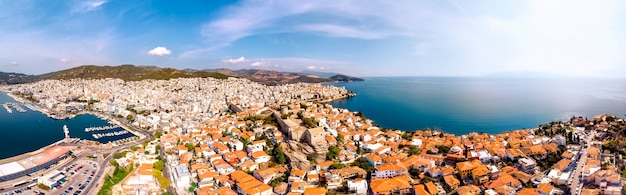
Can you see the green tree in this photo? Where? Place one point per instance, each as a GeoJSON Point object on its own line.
{"type": "Point", "coordinates": [340, 138]}
{"type": "Point", "coordinates": [333, 152]}
{"type": "Point", "coordinates": [610, 145]}
{"type": "Point", "coordinates": [158, 165]}
{"type": "Point", "coordinates": [443, 149]}
{"type": "Point", "coordinates": [280, 155]}
{"type": "Point", "coordinates": [158, 133]}
{"type": "Point", "coordinates": [190, 146]}
{"type": "Point", "coordinates": [406, 136]}
{"type": "Point", "coordinates": [336, 165]}
{"type": "Point", "coordinates": [413, 150]}
{"type": "Point", "coordinates": [362, 163]}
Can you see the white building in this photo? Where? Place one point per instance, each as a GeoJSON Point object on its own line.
{"type": "Point", "coordinates": [51, 179]}
{"type": "Point", "coordinates": [181, 175]}
{"type": "Point", "coordinates": [358, 186]}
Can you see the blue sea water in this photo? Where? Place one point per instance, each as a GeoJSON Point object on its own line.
{"type": "Point", "coordinates": [479, 104]}
{"type": "Point", "coordinates": [22, 132]}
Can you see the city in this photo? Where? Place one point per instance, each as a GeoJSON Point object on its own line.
{"type": "Point", "coordinates": [235, 136]}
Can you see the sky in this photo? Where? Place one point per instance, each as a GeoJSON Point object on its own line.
{"type": "Point", "coordinates": [361, 38]}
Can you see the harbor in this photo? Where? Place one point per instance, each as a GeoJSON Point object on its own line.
{"type": "Point", "coordinates": [28, 131]}
{"type": "Point", "coordinates": [15, 106]}
{"type": "Point", "coordinates": [102, 128]}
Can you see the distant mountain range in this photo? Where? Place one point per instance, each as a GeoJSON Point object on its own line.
{"type": "Point", "coordinates": [134, 73]}
{"type": "Point", "coordinates": [334, 76]}
{"type": "Point", "coordinates": [13, 78]}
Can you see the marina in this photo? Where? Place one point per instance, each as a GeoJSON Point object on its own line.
{"type": "Point", "coordinates": [20, 109]}
{"type": "Point", "coordinates": [102, 128]}
{"type": "Point", "coordinates": [30, 106]}
{"type": "Point", "coordinates": [29, 131]}
{"type": "Point", "coordinates": [7, 108]}
{"type": "Point", "coordinates": [109, 134]}
{"type": "Point", "coordinates": [16, 106]}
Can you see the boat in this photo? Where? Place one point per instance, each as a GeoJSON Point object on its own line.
{"type": "Point", "coordinates": [103, 128]}
{"type": "Point", "coordinates": [109, 134]}
{"type": "Point", "coordinates": [19, 109]}
{"type": "Point", "coordinates": [30, 106]}
{"type": "Point", "coordinates": [6, 106]}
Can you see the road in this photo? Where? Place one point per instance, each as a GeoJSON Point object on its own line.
{"type": "Point", "coordinates": [580, 165]}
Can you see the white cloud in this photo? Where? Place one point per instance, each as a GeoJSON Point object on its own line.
{"type": "Point", "coordinates": [235, 60]}
{"type": "Point", "coordinates": [333, 30]}
{"type": "Point", "coordinates": [87, 6]}
{"type": "Point", "coordinates": [159, 51]}
{"type": "Point", "coordinates": [65, 60]}
{"type": "Point", "coordinates": [259, 64]}
{"type": "Point", "coordinates": [311, 67]}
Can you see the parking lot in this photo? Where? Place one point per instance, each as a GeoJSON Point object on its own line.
{"type": "Point", "coordinates": [78, 176]}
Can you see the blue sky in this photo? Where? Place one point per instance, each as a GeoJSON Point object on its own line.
{"type": "Point", "coordinates": [372, 38]}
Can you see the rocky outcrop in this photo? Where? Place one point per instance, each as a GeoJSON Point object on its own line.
{"type": "Point", "coordinates": [297, 159]}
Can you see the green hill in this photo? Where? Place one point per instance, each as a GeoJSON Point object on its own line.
{"type": "Point", "coordinates": [127, 73]}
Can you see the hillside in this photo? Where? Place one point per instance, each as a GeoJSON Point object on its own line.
{"type": "Point", "coordinates": [345, 78]}
{"type": "Point", "coordinates": [127, 72]}
{"type": "Point", "coordinates": [274, 77]}
{"type": "Point", "coordinates": [134, 73]}
{"type": "Point", "coordinates": [15, 78]}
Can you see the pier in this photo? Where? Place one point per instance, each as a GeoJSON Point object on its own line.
{"type": "Point", "coordinates": [103, 128]}
{"type": "Point", "coordinates": [6, 106]}
{"type": "Point", "coordinates": [17, 107]}
{"type": "Point", "coordinates": [110, 134]}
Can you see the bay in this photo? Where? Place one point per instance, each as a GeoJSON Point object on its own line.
{"type": "Point", "coordinates": [22, 132]}
{"type": "Point", "coordinates": [480, 104]}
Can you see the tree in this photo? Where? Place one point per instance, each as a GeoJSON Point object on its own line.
{"type": "Point", "coordinates": [333, 152]}
{"type": "Point", "coordinates": [406, 136]}
{"type": "Point", "coordinates": [610, 145]}
{"type": "Point", "coordinates": [362, 163]}
{"type": "Point", "coordinates": [443, 149]}
{"type": "Point", "coordinates": [336, 165]}
{"type": "Point", "coordinates": [340, 138]}
{"type": "Point", "coordinates": [158, 133]}
{"type": "Point", "coordinates": [190, 146]}
{"type": "Point", "coordinates": [280, 155]}
{"type": "Point", "coordinates": [415, 173]}
{"type": "Point", "coordinates": [413, 150]}
{"type": "Point", "coordinates": [134, 148]}
{"type": "Point", "coordinates": [158, 165]}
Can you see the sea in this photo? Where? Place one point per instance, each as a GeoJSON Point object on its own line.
{"type": "Point", "coordinates": [460, 105]}
{"type": "Point", "coordinates": [22, 132]}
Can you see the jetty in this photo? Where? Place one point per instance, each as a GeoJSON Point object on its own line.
{"type": "Point", "coordinates": [19, 109]}
{"type": "Point", "coordinates": [31, 107]}
{"type": "Point", "coordinates": [103, 128]}
{"type": "Point", "coordinates": [6, 106]}
{"type": "Point", "coordinates": [110, 134]}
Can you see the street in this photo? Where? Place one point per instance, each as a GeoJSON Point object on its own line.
{"type": "Point", "coordinates": [574, 187]}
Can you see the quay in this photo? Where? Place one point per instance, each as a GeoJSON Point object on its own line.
{"type": "Point", "coordinates": [28, 163]}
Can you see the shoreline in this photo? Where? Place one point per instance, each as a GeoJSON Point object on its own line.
{"type": "Point", "coordinates": [28, 154]}
{"type": "Point", "coordinates": [54, 116]}
{"type": "Point", "coordinates": [67, 117]}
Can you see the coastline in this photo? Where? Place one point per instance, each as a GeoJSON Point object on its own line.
{"type": "Point", "coordinates": [28, 154]}
{"type": "Point", "coordinates": [57, 116]}
{"type": "Point", "coordinates": [54, 116]}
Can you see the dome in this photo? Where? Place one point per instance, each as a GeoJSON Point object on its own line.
{"type": "Point", "coordinates": [455, 149]}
